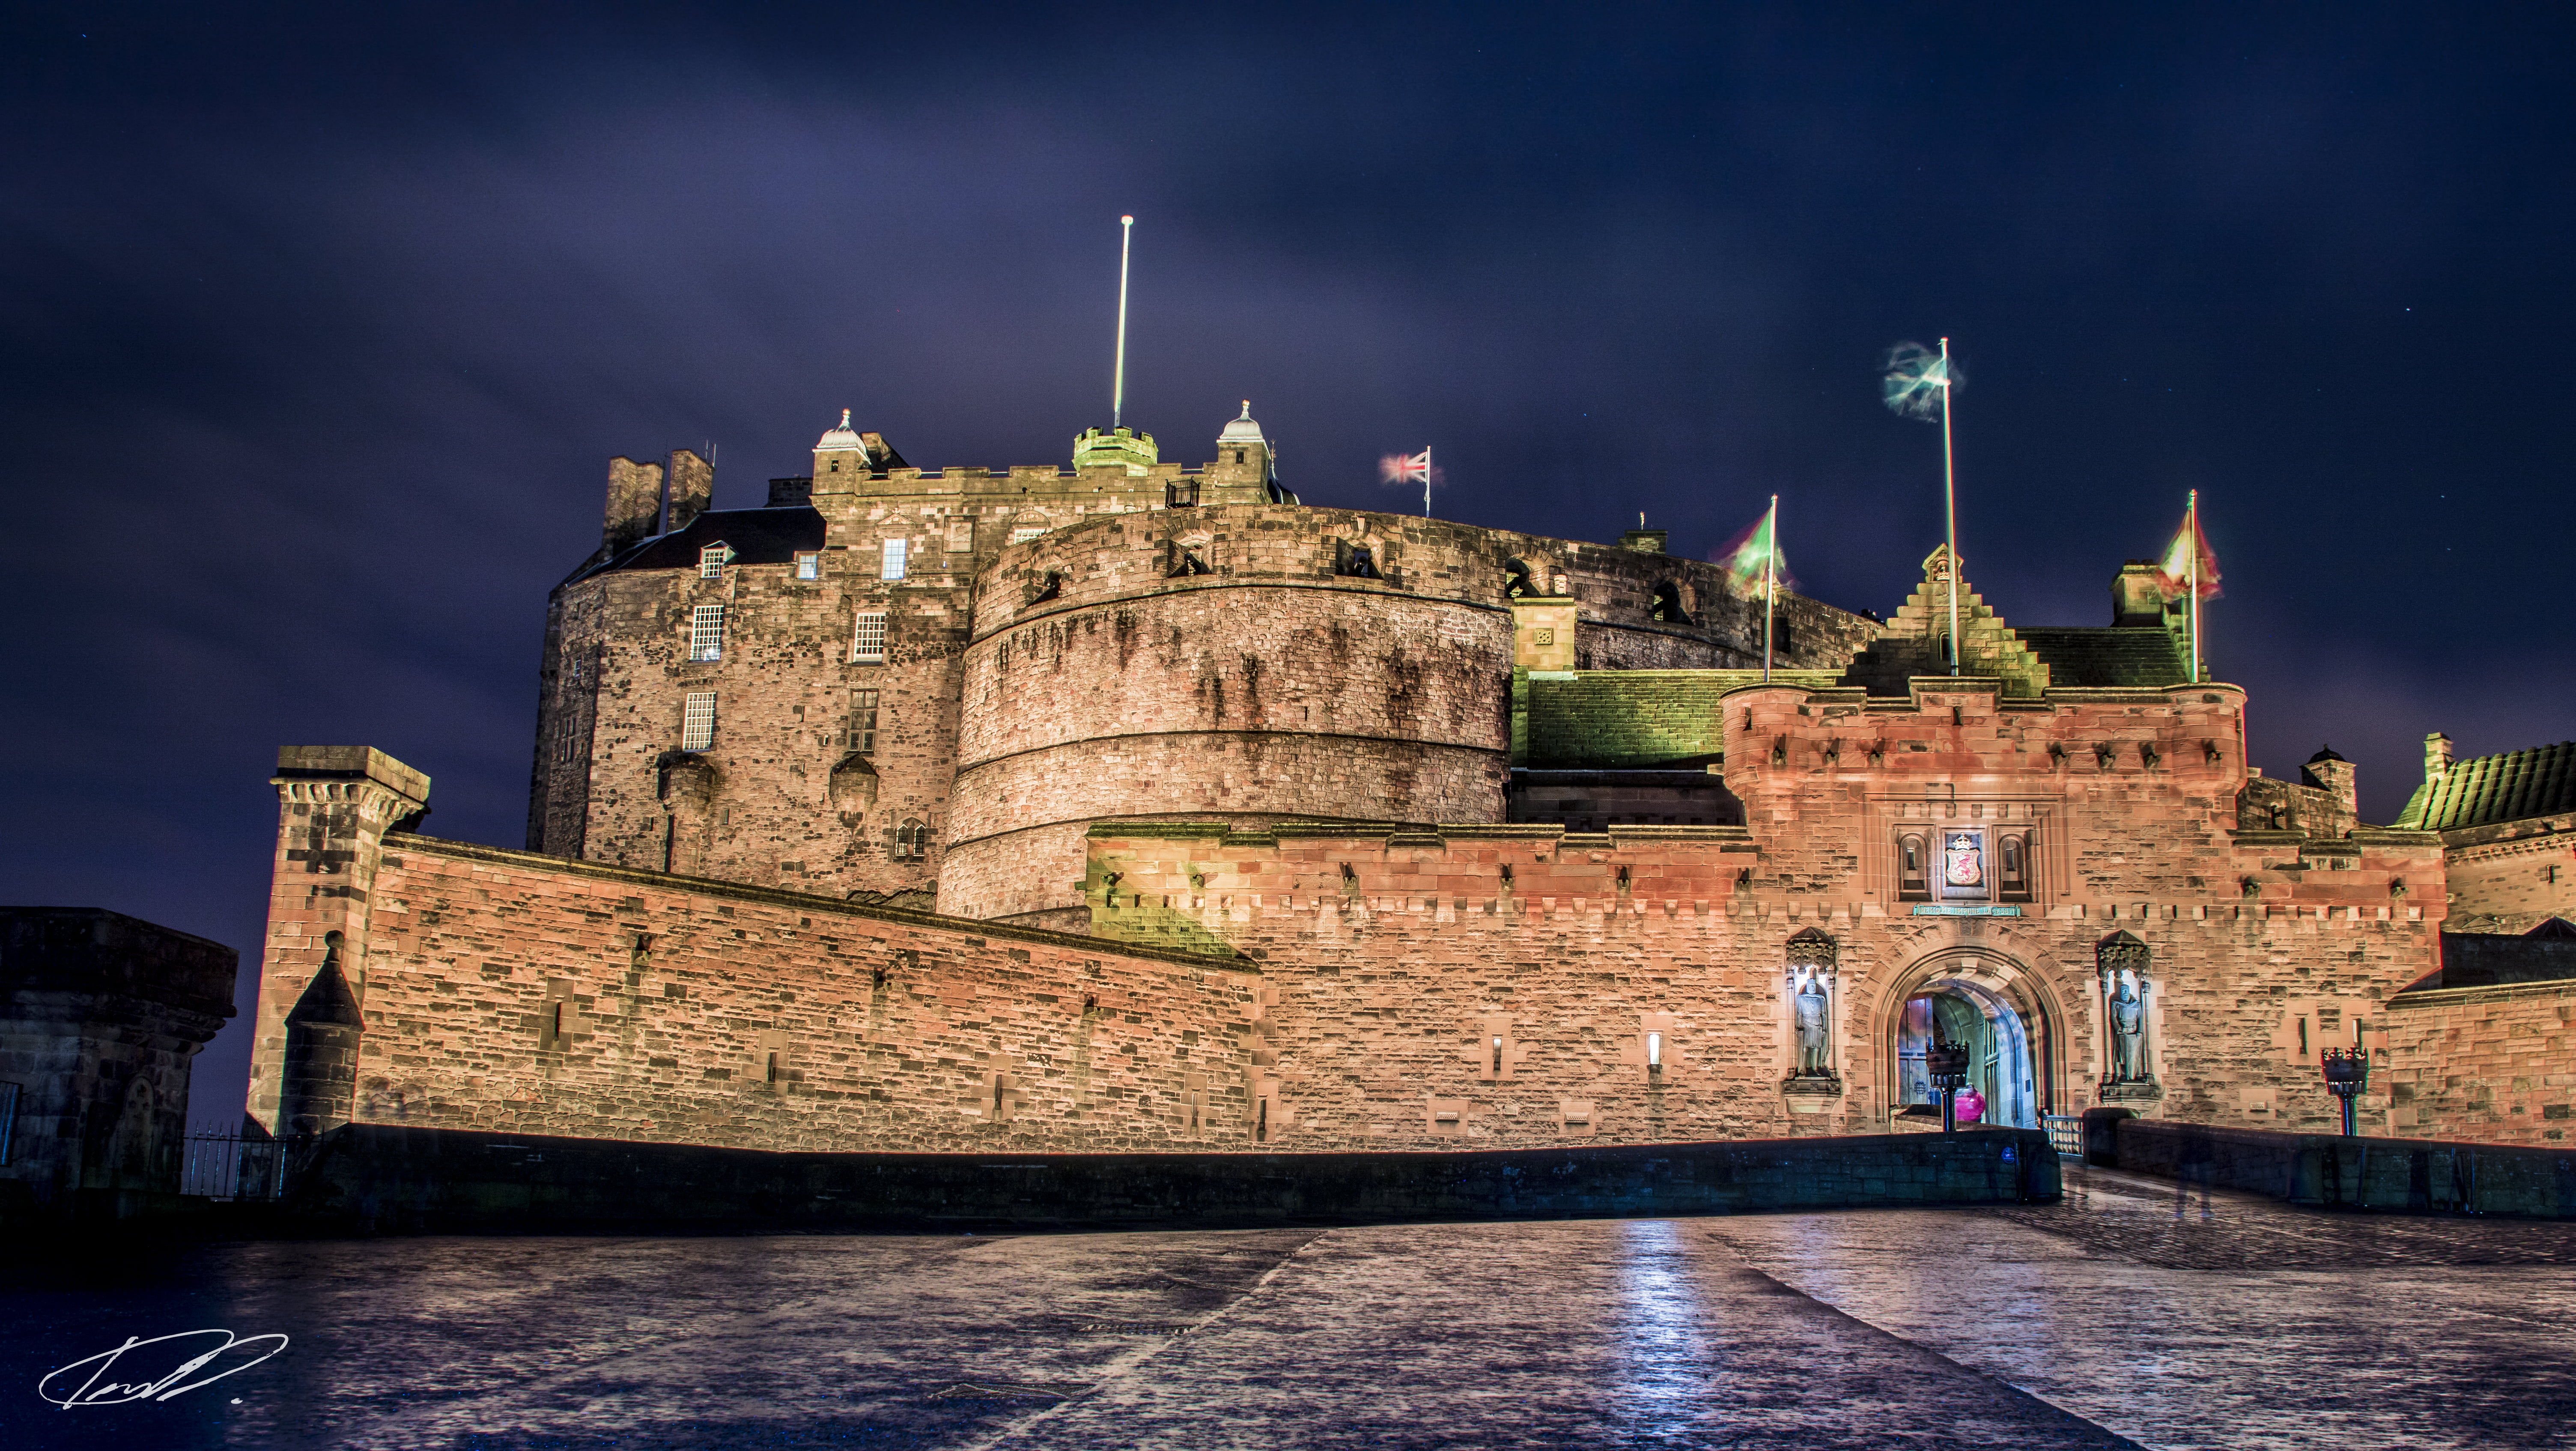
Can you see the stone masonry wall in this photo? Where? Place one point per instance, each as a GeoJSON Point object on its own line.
{"type": "Point", "coordinates": [2513, 876]}
{"type": "Point", "coordinates": [522, 993]}
{"type": "Point", "coordinates": [762, 803]}
{"type": "Point", "coordinates": [2494, 1065]}
{"type": "Point", "coordinates": [1400, 955]}
{"type": "Point", "coordinates": [1183, 663]}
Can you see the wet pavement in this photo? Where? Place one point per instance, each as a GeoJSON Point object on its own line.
{"type": "Point", "coordinates": [2114, 1319]}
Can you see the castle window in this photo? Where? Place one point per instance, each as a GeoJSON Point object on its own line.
{"type": "Point", "coordinates": [809, 564]}
{"type": "Point", "coordinates": [2012, 866]}
{"type": "Point", "coordinates": [698, 721]}
{"type": "Point", "coordinates": [1238, 455]}
{"type": "Point", "coordinates": [1517, 583]}
{"type": "Point", "coordinates": [868, 641]}
{"type": "Point", "coordinates": [1354, 561]}
{"type": "Point", "coordinates": [863, 721]}
{"type": "Point", "coordinates": [706, 632]}
{"type": "Point", "coordinates": [1667, 608]}
{"type": "Point", "coordinates": [1180, 496]}
{"type": "Point", "coordinates": [713, 559]}
{"type": "Point", "coordinates": [890, 558]}
{"type": "Point", "coordinates": [1654, 1052]}
{"type": "Point", "coordinates": [1027, 532]}
{"type": "Point", "coordinates": [1912, 884]}
{"type": "Point", "coordinates": [911, 841]}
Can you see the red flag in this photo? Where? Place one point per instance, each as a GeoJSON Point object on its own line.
{"type": "Point", "coordinates": [2188, 562]}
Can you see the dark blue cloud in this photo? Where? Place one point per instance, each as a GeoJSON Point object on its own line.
{"type": "Point", "coordinates": [321, 322]}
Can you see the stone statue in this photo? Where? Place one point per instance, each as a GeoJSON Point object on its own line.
{"type": "Point", "coordinates": [1812, 1058]}
{"type": "Point", "coordinates": [2128, 1035]}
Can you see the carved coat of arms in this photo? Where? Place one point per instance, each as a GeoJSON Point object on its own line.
{"type": "Point", "coordinates": [1963, 859]}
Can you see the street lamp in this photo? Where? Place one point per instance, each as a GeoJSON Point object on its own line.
{"type": "Point", "coordinates": [2347, 1071]}
{"type": "Point", "coordinates": [1948, 1065]}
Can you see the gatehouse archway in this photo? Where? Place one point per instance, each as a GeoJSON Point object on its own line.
{"type": "Point", "coordinates": [2005, 1014]}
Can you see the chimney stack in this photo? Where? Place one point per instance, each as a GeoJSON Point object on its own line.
{"type": "Point", "coordinates": [2328, 771]}
{"type": "Point", "coordinates": [634, 505]}
{"type": "Point", "coordinates": [693, 487]}
{"type": "Point", "coordinates": [2437, 757]}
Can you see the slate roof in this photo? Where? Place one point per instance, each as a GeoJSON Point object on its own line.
{"type": "Point", "coordinates": [2510, 786]}
{"type": "Point", "coordinates": [2106, 656]}
{"type": "Point", "coordinates": [2547, 953]}
{"type": "Point", "coordinates": [757, 536]}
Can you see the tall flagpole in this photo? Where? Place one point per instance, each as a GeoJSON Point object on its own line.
{"type": "Point", "coordinates": [1770, 582]}
{"type": "Point", "coordinates": [2191, 524]}
{"type": "Point", "coordinates": [1118, 388]}
{"type": "Point", "coordinates": [1950, 504]}
{"type": "Point", "coordinates": [1426, 481]}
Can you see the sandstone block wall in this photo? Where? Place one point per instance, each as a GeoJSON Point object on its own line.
{"type": "Point", "coordinates": [516, 992]}
{"type": "Point", "coordinates": [2513, 876]}
{"type": "Point", "coordinates": [2496, 1065]}
{"type": "Point", "coordinates": [1183, 663]}
{"type": "Point", "coordinates": [101, 1016]}
{"type": "Point", "coordinates": [775, 799]}
{"type": "Point", "coordinates": [1398, 957]}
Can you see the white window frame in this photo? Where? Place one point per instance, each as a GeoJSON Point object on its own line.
{"type": "Point", "coordinates": [892, 556]}
{"type": "Point", "coordinates": [868, 638]}
{"type": "Point", "coordinates": [706, 633]}
{"type": "Point", "coordinates": [713, 559]}
{"type": "Point", "coordinates": [698, 721]}
{"type": "Point", "coordinates": [809, 564]}
{"type": "Point", "coordinates": [1026, 532]}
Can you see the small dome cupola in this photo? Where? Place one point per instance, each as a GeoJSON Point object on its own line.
{"type": "Point", "coordinates": [841, 439]}
{"type": "Point", "coordinates": [1242, 430]}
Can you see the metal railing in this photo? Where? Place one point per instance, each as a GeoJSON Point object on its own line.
{"type": "Point", "coordinates": [233, 1167]}
{"type": "Point", "coordinates": [2065, 1132]}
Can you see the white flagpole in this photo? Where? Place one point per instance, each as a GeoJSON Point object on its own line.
{"type": "Point", "coordinates": [1770, 582]}
{"type": "Point", "coordinates": [1426, 481]}
{"type": "Point", "coordinates": [2191, 525]}
{"type": "Point", "coordinates": [1118, 388]}
{"type": "Point", "coordinates": [1950, 504]}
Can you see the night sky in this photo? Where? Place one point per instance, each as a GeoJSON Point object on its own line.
{"type": "Point", "coordinates": [322, 322]}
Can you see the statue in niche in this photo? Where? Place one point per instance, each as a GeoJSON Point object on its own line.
{"type": "Point", "coordinates": [1813, 1057]}
{"type": "Point", "coordinates": [2123, 960]}
{"type": "Point", "coordinates": [2128, 1034]}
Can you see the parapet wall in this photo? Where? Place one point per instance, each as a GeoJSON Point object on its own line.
{"type": "Point", "coordinates": [2495, 1064]}
{"type": "Point", "coordinates": [519, 993]}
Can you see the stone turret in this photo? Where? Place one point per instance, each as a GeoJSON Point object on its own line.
{"type": "Point", "coordinates": [1246, 468]}
{"type": "Point", "coordinates": [335, 806]}
{"type": "Point", "coordinates": [1117, 448]}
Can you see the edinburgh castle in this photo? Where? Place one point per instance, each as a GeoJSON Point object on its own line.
{"type": "Point", "coordinates": [1130, 805]}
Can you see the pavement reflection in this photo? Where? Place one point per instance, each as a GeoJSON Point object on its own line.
{"type": "Point", "coordinates": [2110, 1320]}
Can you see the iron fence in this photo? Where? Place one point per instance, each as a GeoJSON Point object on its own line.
{"type": "Point", "coordinates": [2065, 1132]}
{"type": "Point", "coordinates": [233, 1166]}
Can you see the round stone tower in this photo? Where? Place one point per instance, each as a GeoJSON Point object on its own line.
{"type": "Point", "coordinates": [1245, 662]}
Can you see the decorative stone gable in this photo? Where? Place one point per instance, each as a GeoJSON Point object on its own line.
{"type": "Point", "coordinates": [1913, 644]}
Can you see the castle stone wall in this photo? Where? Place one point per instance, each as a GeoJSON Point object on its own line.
{"type": "Point", "coordinates": [1398, 956]}
{"type": "Point", "coordinates": [522, 993]}
{"type": "Point", "coordinates": [2513, 876]}
{"type": "Point", "coordinates": [2493, 1064]}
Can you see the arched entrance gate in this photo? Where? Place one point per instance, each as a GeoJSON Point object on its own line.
{"type": "Point", "coordinates": [2010, 1021]}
